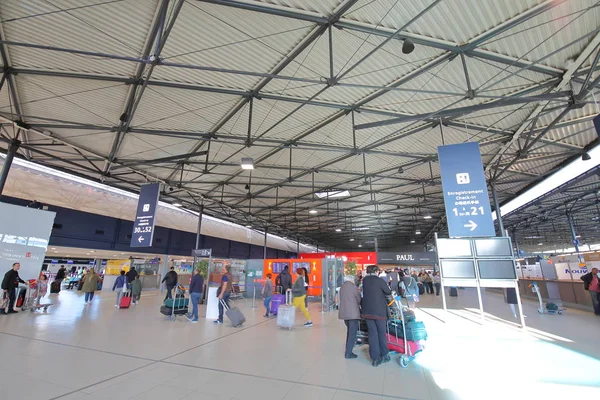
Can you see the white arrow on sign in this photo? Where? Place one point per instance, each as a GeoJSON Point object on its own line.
{"type": "Point", "coordinates": [471, 225]}
{"type": "Point", "coordinates": [141, 238]}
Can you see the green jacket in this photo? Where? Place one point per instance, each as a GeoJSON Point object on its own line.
{"type": "Point", "coordinates": [90, 282]}
{"type": "Point", "coordinates": [136, 287]}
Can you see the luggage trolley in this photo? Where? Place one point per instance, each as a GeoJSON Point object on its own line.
{"type": "Point", "coordinates": [551, 308]}
{"type": "Point", "coordinates": [406, 348]}
{"type": "Point", "coordinates": [177, 306]}
{"type": "Point", "coordinates": [31, 298]}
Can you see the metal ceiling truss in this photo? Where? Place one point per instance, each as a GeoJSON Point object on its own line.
{"type": "Point", "coordinates": [388, 198]}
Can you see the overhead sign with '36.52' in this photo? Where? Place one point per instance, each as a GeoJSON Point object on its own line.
{"type": "Point", "coordinates": [466, 197]}
{"type": "Point", "coordinates": [145, 217]}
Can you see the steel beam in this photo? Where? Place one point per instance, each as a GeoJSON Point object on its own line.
{"type": "Point", "coordinates": [10, 155]}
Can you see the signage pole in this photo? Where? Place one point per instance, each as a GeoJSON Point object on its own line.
{"type": "Point", "coordinates": [478, 280]}
{"type": "Point", "coordinates": [200, 211]}
{"type": "Point", "coordinates": [10, 155]}
{"type": "Point", "coordinates": [497, 210]}
{"type": "Point", "coordinates": [442, 279]}
{"type": "Point", "coordinates": [265, 245]}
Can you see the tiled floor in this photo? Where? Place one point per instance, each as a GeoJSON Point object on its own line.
{"type": "Point", "coordinates": [97, 352]}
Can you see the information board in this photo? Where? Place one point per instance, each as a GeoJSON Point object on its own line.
{"type": "Point", "coordinates": [466, 197]}
{"type": "Point", "coordinates": [145, 217]}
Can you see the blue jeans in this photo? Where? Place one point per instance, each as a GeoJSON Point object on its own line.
{"type": "Point", "coordinates": [267, 304]}
{"type": "Point", "coordinates": [89, 296]}
{"type": "Point", "coordinates": [226, 296]}
{"type": "Point", "coordinates": [195, 299]}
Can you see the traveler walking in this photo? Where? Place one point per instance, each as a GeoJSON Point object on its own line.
{"type": "Point", "coordinates": [591, 283]}
{"type": "Point", "coordinates": [437, 282]}
{"type": "Point", "coordinates": [10, 283]}
{"type": "Point", "coordinates": [306, 283]}
{"type": "Point", "coordinates": [394, 279]}
{"type": "Point", "coordinates": [267, 294]}
{"type": "Point", "coordinates": [224, 292]}
{"type": "Point", "coordinates": [121, 286]}
{"type": "Point", "coordinates": [299, 295]}
{"type": "Point", "coordinates": [196, 290]}
{"type": "Point", "coordinates": [42, 288]}
{"type": "Point", "coordinates": [136, 290]}
{"type": "Point", "coordinates": [350, 312]}
{"type": "Point", "coordinates": [90, 285]}
{"type": "Point", "coordinates": [374, 311]}
{"type": "Point", "coordinates": [170, 281]}
{"type": "Point", "coordinates": [60, 277]}
{"type": "Point", "coordinates": [285, 280]}
{"type": "Point", "coordinates": [412, 290]}
{"type": "Point", "coordinates": [131, 274]}
{"type": "Point", "coordinates": [428, 282]}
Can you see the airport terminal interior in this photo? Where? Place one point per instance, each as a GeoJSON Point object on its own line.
{"type": "Point", "coordinates": [351, 177]}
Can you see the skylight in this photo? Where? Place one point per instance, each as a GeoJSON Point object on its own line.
{"type": "Point", "coordinates": [332, 194]}
{"type": "Point", "coordinates": [560, 177]}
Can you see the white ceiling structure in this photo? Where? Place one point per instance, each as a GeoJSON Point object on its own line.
{"type": "Point", "coordinates": [318, 93]}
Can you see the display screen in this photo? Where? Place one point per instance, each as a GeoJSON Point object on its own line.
{"type": "Point", "coordinates": [497, 269]}
{"type": "Point", "coordinates": [451, 248]}
{"type": "Point", "coordinates": [493, 247]}
{"type": "Point", "coordinates": [461, 269]}
{"type": "Point", "coordinates": [279, 266]}
{"type": "Point", "coordinates": [302, 265]}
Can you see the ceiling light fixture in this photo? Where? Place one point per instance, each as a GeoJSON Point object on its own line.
{"type": "Point", "coordinates": [408, 46]}
{"type": "Point", "coordinates": [427, 217]}
{"type": "Point", "coordinates": [364, 228]}
{"type": "Point", "coordinates": [247, 163]}
{"type": "Point", "coordinates": [586, 156]}
{"type": "Point", "coordinates": [417, 232]}
{"type": "Point", "coordinates": [248, 226]}
{"type": "Point", "coordinates": [177, 204]}
{"type": "Point", "coordinates": [360, 245]}
{"type": "Point", "coordinates": [413, 241]}
{"type": "Point", "coordinates": [313, 211]}
{"type": "Point", "coordinates": [338, 229]}
{"type": "Point", "coordinates": [352, 240]}
{"type": "Point", "coordinates": [540, 244]}
{"type": "Point", "coordinates": [400, 170]}
{"type": "Point", "coordinates": [332, 194]}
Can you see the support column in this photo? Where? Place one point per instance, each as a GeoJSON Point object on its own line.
{"type": "Point", "coordinates": [297, 247]}
{"type": "Point", "coordinates": [574, 234]}
{"type": "Point", "coordinates": [265, 245]}
{"type": "Point", "coordinates": [200, 211]}
{"type": "Point", "coordinates": [376, 246]}
{"type": "Point", "coordinates": [498, 213]}
{"type": "Point", "coordinates": [10, 155]}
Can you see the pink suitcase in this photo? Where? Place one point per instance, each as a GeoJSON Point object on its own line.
{"type": "Point", "coordinates": [397, 345]}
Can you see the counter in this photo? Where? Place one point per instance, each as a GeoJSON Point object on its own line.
{"type": "Point", "coordinates": [568, 292]}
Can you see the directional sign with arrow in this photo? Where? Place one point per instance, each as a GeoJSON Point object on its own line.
{"type": "Point", "coordinates": [466, 197]}
{"type": "Point", "coordinates": [143, 226]}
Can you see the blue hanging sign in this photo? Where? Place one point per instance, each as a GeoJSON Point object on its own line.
{"type": "Point", "coordinates": [466, 197]}
{"type": "Point", "coordinates": [145, 217]}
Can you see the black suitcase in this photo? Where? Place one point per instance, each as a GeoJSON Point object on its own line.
{"type": "Point", "coordinates": [453, 292]}
{"type": "Point", "coordinates": [421, 288]}
{"type": "Point", "coordinates": [55, 287]}
{"type": "Point", "coordinates": [21, 298]}
{"type": "Point", "coordinates": [80, 285]}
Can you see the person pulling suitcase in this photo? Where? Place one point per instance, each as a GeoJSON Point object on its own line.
{"type": "Point", "coordinates": [10, 283]}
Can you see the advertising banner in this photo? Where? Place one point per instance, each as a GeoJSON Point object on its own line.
{"type": "Point", "coordinates": [466, 196]}
{"type": "Point", "coordinates": [114, 267]}
{"type": "Point", "coordinates": [24, 236]}
{"type": "Point", "coordinates": [145, 217]}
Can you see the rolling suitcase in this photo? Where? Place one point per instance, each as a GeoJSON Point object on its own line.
{"type": "Point", "coordinates": [415, 330]}
{"type": "Point", "coordinates": [397, 345]}
{"type": "Point", "coordinates": [286, 314]}
{"type": "Point", "coordinates": [276, 301]}
{"type": "Point", "coordinates": [453, 292]}
{"type": "Point", "coordinates": [234, 314]}
{"type": "Point", "coordinates": [21, 298]}
{"type": "Point", "coordinates": [55, 287]}
{"type": "Point", "coordinates": [125, 300]}
{"type": "Point", "coordinates": [421, 288]}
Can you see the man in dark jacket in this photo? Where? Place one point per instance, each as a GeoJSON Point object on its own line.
{"type": "Point", "coordinates": [591, 283]}
{"type": "Point", "coordinates": [131, 275]}
{"type": "Point", "coordinates": [286, 280]}
{"type": "Point", "coordinates": [374, 311]}
{"type": "Point", "coordinates": [10, 283]}
{"type": "Point", "coordinates": [196, 290]}
{"type": "Point", "coordinates": [170, 281]}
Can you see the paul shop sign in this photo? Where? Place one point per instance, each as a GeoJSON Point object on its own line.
{"type": "Point", "coordinates": [402, 258]}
